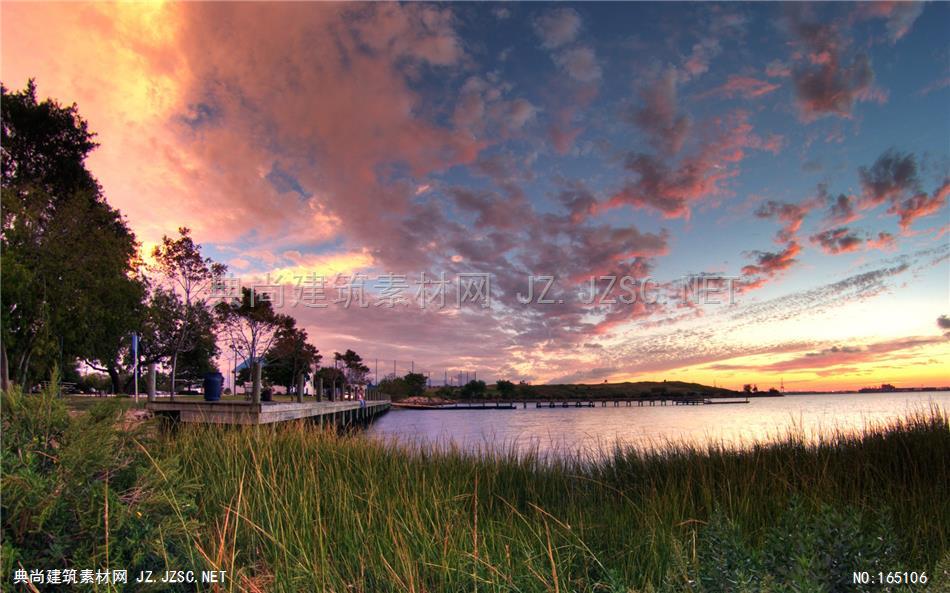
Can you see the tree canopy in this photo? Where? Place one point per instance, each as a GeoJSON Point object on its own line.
{"type": "Point", "coordinates": [290, 356]}
{"type": "Point", "coordinates": [72, 287]}
{"type": "Point", "coordinates": [250, 323]}
{"type": "Point", "coordinates": [188, 323]}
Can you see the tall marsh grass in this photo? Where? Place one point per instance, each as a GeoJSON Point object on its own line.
{"type": "Point", "coordinates": [294, 508]}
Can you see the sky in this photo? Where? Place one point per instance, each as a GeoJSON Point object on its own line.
{"type": "Point", "coordinates": [759, 191]}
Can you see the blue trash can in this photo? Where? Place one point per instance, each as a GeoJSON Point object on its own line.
{"type": "Point", "coordinates": [212, 386]}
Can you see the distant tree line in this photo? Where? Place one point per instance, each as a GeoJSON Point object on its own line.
{"type": "Point", "coordinates": [503, 389]}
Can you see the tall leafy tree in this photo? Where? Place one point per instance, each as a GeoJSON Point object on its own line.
{"type": "Point", "coordinates": [201, 358]}
{"type": "Point", "coordinates": [70, 271]}
{"type": "Point", "coordinates": [351, 365]}
{"type": "Point", "coordinates": [416, 383]}
{"type": "Point", "coordinates": [250, 324]}
{"type": "Point", "coordinates": [188, 273]}
{"type": "Point", "coordinates": [290, 356]}
{"type": "Point", "coordinates": [505, 388]}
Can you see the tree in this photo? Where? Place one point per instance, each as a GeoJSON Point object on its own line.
{"type": "Point", "coordinates": [200, 359]}
{"type": "Point", "coordinates": [251, 325]}
{"type": "Point", "coordinates": [525, 389]}
{"type": "Point", "coordinates": [44, 145]}
{"type": "Point", "coordinates": [474, 389]}
{"type": "Point", "coordinates": [416, 383]}
{"type": "Point", "coordinates": [160, 326]}
{"type": "Point", "coordinates": [505, 388]}
{"type": "Point", "coordinates": [395, 387]}
{"type": "Point", "coordinates": [290, 356]}
{"type": "Point", "coordinates": [445, 392]}
{"type": "Point", "coordinates": [181, 264]}
{"type": "Point", "coordinates": [69, 263]}
{"type": "Point", "coordinates": [352, 366]}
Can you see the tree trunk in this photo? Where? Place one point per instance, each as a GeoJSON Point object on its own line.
{"type": "Point", "coordinates": [256, 389]}
{"type": "Point", "coordinates": [319, 393]}
{"type": "Point", "coordinates": [151, 382]}
{"type": "Point", "coordinates": [113, 378]}
{"type": "Point", "coordinates": [23, 375]}
{"type": "Point", "coordinates": [300, 383]}
{"type": "Point", "coordinates": [171, 389]}
{"type": "Point", "coordinates": [4, 369]}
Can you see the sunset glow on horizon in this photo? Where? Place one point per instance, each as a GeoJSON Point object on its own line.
{"type": "Point", "coordinates": [799, 151]}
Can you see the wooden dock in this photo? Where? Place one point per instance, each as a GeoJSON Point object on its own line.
{"type": "Point", "coordinates": [339, 413]}
{"type": "Point", "coordinates": [616, 402]}
{"type": "Point", "coordinates": [482, 405]}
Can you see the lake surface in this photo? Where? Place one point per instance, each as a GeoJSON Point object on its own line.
{"type": "Point", "coordinates": [596, 430]}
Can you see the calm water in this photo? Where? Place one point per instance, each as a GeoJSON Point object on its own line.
{"type": "Point", "coordinates": [598, 429]}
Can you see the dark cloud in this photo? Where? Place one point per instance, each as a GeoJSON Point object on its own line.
{"type": "Point", "coordinates": [658, 116]}
{"type": "Point", "coordinates": [493, 210]}
{"type": "Point", "coordinates": [892, 175]}
{"type": "Point", "coordinates": [894, 178]}
{"type": "Point", "coordinates": [841, 209]}
{"type": "Point", "coordinates": [671, 185]}
{"type": "Point", "coordinates": [839, 240]}
{"type": "Point", "coordinates": [579, 201]}
{"type": "Point", "coordinates": [827, 81]}
{"type": "Point", "coordinates": [791, 215]}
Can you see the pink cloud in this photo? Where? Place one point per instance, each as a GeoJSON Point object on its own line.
{"type": "Point", "coordinates": [671, 186]}
{"type": "Point", "coordinates": [768, 265]}
{"type": "Point", "coordinates": [842, 355]}
{"type": "Point", "coordinates": [744, 86]}
{"type": "Point", "coordinates": [557, 27]}
{"type": "Point", "coordinates": [580, 63]}
{"type": "Point", "coordinates": [567, 100]}
{"type": "Point", "coordinates": [920, 204]}
{"type": "Point", "coordinates": [940, 83]}
{"type": "Point", "coordinates": [884, 241]}
{"type": "Point", "coordinates": [791, 216]}
{"type": "Point", "coordinates": [702, 53]}
{"type": "Point", "coordinates": [777, 69]}
{"type": "Point", "coordinates": [899, 15]}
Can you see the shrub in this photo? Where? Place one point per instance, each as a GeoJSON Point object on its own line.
{"type": "Point", "coordinates": [82, 492]}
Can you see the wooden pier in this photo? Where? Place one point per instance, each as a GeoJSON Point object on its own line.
{"type": "Point", "coordinates": [615, 402]}
{"type": "Point", "coordinates": [663, 400]}
{"type": "Point", "coordinates": [339, 413]}
{"type": "Point", "coordinates": [475, 405]}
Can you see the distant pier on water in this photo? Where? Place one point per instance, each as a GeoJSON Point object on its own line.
{"type": "Point", "coordinates": [616, 402]}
